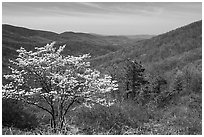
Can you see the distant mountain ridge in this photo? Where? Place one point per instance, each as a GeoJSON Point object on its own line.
{"type": "Point", "coordinates": [14, 37]}
{"type": "Point", "coordinates": [166, 51]}
{"type": "Point", "coordinates": [27, 36]}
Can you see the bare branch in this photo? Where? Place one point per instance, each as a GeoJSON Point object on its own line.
{"type": "Point", "coordinates": [31, 103]}
{"type": "Point", "coordinates": [68, 107]}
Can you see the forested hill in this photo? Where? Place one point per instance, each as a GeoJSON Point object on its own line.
{"type": "Point", "coordinates": [78, 43]}
{"type": "Point", "coordinates": [162, 53]}
{"type": "Point", "coordinates": [14, 37]}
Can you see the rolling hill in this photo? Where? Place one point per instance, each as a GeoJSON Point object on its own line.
{"type": "Point", "coordinates": [14, 37]}
{"type": "Point", "coordinates": [161, 53]}
{"type": "Point", "coordinates": [78, 43]}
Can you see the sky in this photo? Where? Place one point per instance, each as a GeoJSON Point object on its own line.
{"type": "Point", "coordinates": [108, 18]}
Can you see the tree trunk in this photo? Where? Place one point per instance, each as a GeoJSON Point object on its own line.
{"type": "Point", "coordinates": [53, 123]}
{"type": "Point", "coordinates": [62, 122]}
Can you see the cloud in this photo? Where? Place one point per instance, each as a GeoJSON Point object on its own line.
{"type": "Point", "coordinates": [102, 17]}
{"type": "Point", "coordinates": [81, 8]}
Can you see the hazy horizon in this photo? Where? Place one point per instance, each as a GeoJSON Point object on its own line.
{"type": "Point", "coordinates": [105, 18]}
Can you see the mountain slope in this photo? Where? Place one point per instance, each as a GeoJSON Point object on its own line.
{"type": "Point", "coordinates": [161, 56]}
{"type": "Point", "coordinates": [186, 41]}
{"type": "Point", "coordinates": [78, 43]}
{"type": "Point", "coordinates": [14, 37]}
{"type": "Point", "coordinates": [113, 50]}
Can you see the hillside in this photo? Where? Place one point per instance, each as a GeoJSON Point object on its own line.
{"type": "Point", "coordinates": [164, 52]}
{"type": "Point", "coordinates": [78, 43]}
{"type": "Point", "coordinates": [14, 37]}
{"type": "Point", "coordinates": [160, 54]}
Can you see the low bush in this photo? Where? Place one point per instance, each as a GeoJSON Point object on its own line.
{"type": "Point", "coordinates": [110, 120]}
{"type": "Point", "coordinates": [14, 115]}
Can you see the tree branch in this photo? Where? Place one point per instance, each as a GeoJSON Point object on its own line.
{"type": "Point", "coordinates": [31, 103]}
{"type": "Point", "coordinates": [49, 103]}
{"type": "Point", "coordinates": [68, 107]}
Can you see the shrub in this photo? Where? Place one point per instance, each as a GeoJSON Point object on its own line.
{"type": "Point", "coordinates": [193, 79]}
{"type": "Point", "coordinates": [110, 120]}
{"type": "Point", "coordinates": [185, 82]}
{"type": "Point", "coordinates": [13, 114]}
{"type": "Point", "coordinates": [187, 120]}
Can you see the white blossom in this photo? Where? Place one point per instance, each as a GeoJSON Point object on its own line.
{"type": "Point", "coordinates": [46, 72]}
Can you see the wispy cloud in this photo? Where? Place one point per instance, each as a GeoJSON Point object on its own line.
{"type": "Point", "coordinates": [25, 8]}
{"type": "Point", "coordinates": [99, 17]}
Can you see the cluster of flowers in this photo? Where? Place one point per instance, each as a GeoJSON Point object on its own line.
{"type": "Point", "coordinates": [48, 73]}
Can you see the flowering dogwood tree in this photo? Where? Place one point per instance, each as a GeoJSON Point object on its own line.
{"type": "Point", "coordinates": [54, 83]}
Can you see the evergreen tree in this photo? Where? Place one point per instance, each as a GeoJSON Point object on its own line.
{"type": "Point", "coordinates": [135, 78]}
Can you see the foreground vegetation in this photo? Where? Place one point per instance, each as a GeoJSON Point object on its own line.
{"type": "Point", "coordinates": [176, 110]}
{"type": "Point", "coordinates": [126, 120]}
